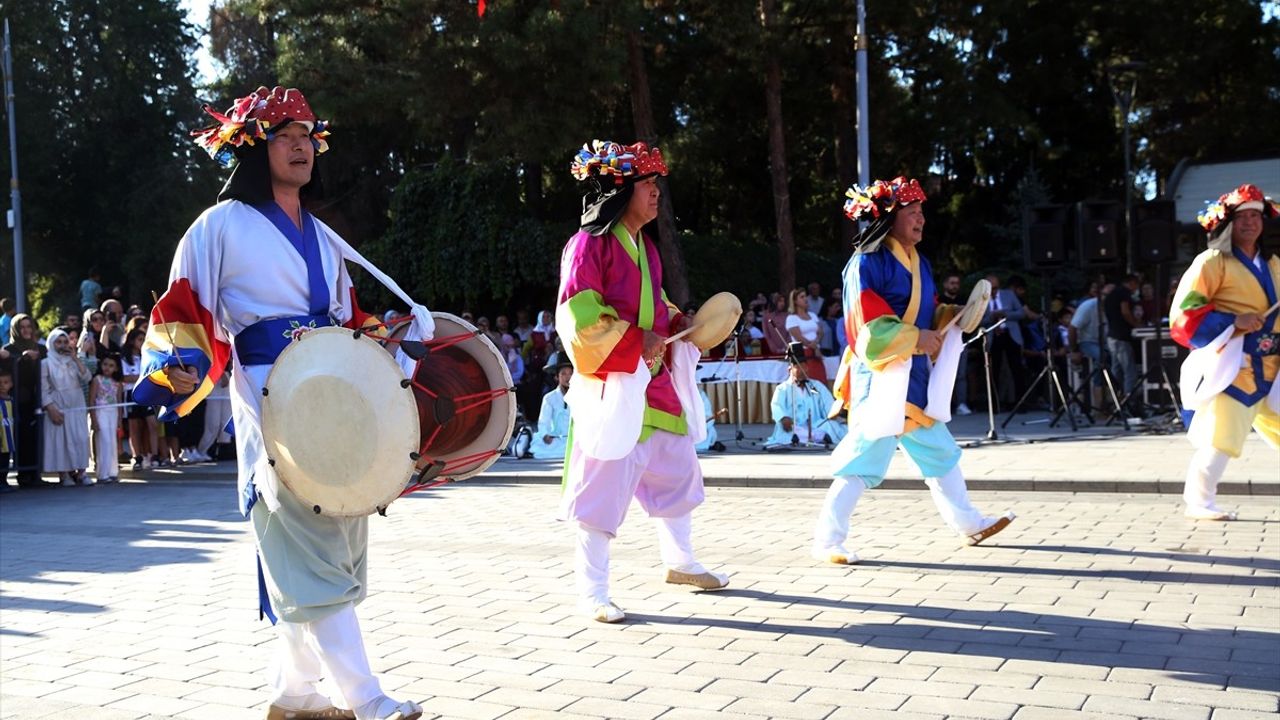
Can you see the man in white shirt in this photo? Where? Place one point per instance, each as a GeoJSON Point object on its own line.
{"type": "Point", "coordinates": [553, 419]}
{"type": "Point", "coordinates": [800, 408]}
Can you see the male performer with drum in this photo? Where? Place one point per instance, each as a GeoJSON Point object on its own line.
{"type": "Point", "coordinates": [894, 324]}
{"type": "Point", "coordinates": [630, 435]}
{"type": "Point", "coordinates": [1225, 310]}
{"type": "Point", "coordinates": [252, 274]}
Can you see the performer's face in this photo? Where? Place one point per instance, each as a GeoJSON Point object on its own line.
{"type": "Point", "coordinates": [908, 226]}
{"type": "Point", "coordinates": [1246, 226]}
{"type": "Point", "coordinates": [643, 207]}
{"type": "Point", "coordinates": [290, 155]}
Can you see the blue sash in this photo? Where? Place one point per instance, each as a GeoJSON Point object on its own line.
{"type": "Point", "coordinates": [262, 342]}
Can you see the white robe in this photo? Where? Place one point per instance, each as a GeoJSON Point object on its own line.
{"type": "Point", "coordinates": [712, 435]}
{"type": "Point", "coordinates": [553, 420]}
{"type": "Point", "coordinates": [66, 446]}
{"type": "Point", "coordinates": [807, 407]}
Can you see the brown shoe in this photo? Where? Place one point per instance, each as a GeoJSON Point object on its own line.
{"type": "Point", "coordinates": [703, 580]}
{"type": "Point", "coordinates": [275, 712]}
{"type": "Point", "coordinates": [1001, 523]}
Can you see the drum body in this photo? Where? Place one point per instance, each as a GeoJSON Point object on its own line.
{"type": "Point", "coordinates": [339, 426]}
{"type": "Point", "coordinates": [465, 401]}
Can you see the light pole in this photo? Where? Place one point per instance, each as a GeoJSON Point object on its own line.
{"type": "Point", "coordinates": [15, 196]}
{"type": "Point", "coordinates": [864, 117]}
{"type": "Point", "coordinates": [1124, 85]}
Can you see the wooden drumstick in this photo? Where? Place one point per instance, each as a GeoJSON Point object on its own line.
{"type": "Point", "coordinates": [677, 336]}
{"type": "Point", "coordinates": [173, 342]}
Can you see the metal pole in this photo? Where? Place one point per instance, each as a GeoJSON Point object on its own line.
{"type": "Point", "coordinates": [864, 118]}
{"type": "Point", "coordinates": [1128, 182]}
{"type": "Point", "coordinates": [15, 195]}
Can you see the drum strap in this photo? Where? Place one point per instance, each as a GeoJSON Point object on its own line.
{"type": "Point", "coordinates": [262, 342]}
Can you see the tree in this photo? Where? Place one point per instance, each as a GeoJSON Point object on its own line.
{"type": "Point", "coordinates": [778, 148]}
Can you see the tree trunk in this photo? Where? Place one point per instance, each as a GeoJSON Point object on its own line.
{"type": "Point", "coordinates": [674, 276]}
{"type": "Point", "coordinates": [778, 152]}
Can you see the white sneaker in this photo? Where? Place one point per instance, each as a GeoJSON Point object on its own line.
{"type": "Point", "coordinates": [1210, 513]}
{"type": "Point", "coordinates": [185, 456]}
{"type": "Point", "coordinates": [200, 455]}
{"type": "Point", "coordinates": [146, 463]}
{"type": "Point", "coordinates": [608, 613]}
{"type": "Point", "coordinates": [963, 409]}
{"type": "Point", "coordinates": [835, 554]}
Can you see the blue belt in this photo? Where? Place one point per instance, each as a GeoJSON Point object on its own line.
{"type": "Point", "coordinates": [262, 342]}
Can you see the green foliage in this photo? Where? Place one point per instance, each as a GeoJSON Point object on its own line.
{"type": "Point", "coordinates": [104, 99]}
{"type": "Point", "coordinates": [47, 301]}
{"type": "Point", "coordinates": [745, 267]}
{"type": "Point", "coordinates": [461, 234]}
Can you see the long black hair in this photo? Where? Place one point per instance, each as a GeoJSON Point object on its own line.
{"type": "Point", "coordinates": [250, 181]}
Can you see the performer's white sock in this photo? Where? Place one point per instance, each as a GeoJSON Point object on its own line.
{"type": "Point", "coordinates": [675, 543]}
{"type": "Point", "coordinates": [295, 671]}
{"type": "Point", "coordinates": [341, 649]}
{"type": "Point", "coordinates": [591, 566]}
{"type": "Point", "coordinates": [1203, 473]}
{"type": "Point", "coordinates": [833, 521]}
{"type": "Point", "coordinates": [951, 496]}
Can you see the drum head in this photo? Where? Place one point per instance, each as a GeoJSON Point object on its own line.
{"type": "Point", "coordinates": [337, 423]}
{"type": "Point", "coordinates": [715, 320]}
{"type": "Point", "coordinates": [465, 403]}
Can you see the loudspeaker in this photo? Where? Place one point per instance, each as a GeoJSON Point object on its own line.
{"type": "Point", "coordinates": [1155, 231]}
{"type": "Point", "coordinates": [1045, 236]}
{"type": "Point", "coordinates": [1098, 232]}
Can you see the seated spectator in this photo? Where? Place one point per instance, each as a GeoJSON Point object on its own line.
{"type": "Point", "coordinates": [800, 408]}
{"type": "Point", "coordinates": [553, 419]}
{"type": "Point", "coordinates": [66, 421]}
{"type": "Point", "coordinates": [482, 324]}
{"type": "Point", "coordinates": [805, 328]}
{"type": "Point", "coordinates": [502, 325]}
{"type": "Point", "coordinates": [751, 337]}
{"type": "Point", "coordinates": [775, 326]}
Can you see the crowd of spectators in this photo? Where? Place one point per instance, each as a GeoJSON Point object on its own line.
{"type": "Point", "coordinates": [65, 398]}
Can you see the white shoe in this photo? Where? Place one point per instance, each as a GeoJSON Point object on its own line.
{"type": "Point", "coordinates": [963, 409]}
{"type": "Point", "coordinates": [835, 554]}
{"type": "Point", "coordinates": [608, 613]}
{"type": "Point", "coordinates": [67, 481]}
{"type": "Point", "coordinates": [88, 480]}
{"type": "Point", "coordinates": [185, 456]}
{"type": "Point", "coordinates": [201, 456]}
{"type": "Point", "coordinates": [697, 577]}
{"type": "Point", "coordinates": [146, 463]}
{"type": "Point", "coordinates": [1210, 513]}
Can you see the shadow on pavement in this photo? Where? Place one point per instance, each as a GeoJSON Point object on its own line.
{"type": "Point", "coordinates": [1255, 563]}
{"type": "Point", "coordinates": [1200, 656]}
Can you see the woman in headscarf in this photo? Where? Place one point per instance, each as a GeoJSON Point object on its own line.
{"type": "Point", "coordinates": [66, 422]}
{"type": "Point", "coordinates": [25, 355]}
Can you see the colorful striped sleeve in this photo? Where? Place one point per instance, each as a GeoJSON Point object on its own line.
{"type": "Point", "coordinates": [1194, 320]}
{"type": "Point", "coordinates": [876, 334]}
{"type": "Point", "coordinates": [182, 330]}
{"type": "Point", "coordinates": [597, 340]}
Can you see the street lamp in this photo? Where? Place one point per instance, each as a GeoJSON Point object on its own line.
{"type": "Point", "coordinates": [1124, 85]}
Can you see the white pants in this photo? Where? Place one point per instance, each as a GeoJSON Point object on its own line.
{"type": "Point", "coordinates": [1203, 473]}
{"type": "Point", "coordinates": [591, 556]}
{"type": "Point", "coordinates": [217, 411]}
{"type": "Point", "coordinates": [329, 649]}
{"type": "Point", "coordinates": [949, 493]}
{"type": "Point", "coordinates": [105, 449]}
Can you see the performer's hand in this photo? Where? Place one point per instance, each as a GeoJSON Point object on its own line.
{"type": "Point", "coordinates": [929, 342]}
{"type": "Point", "coordinates": [1249, 322]}
{"type": "Point", "coordinates": [182, 381]}
{"type": "Point", "coordinates": [653, 347]}
{"type": "Point", "coordinates": [786, 424]}
{"type": "Point", "coordinates": [681, 324]}
{"type": "Point", "coordinates": [546, 439]}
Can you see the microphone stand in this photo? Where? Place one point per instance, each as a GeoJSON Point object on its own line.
{"type": "Point", "coordinates": [992, 436]}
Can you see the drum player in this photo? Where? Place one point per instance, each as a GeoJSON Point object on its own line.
{"type": "Point", "coordinates": [252, 274]}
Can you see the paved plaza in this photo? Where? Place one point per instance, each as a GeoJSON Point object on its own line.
{"type": "Point", "coordinates": [138, 601]}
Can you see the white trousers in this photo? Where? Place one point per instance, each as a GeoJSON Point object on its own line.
{"type": "Point", "coordinates": [591, 556]}
{"type": "Point", "coordinates": [1203, 473]}
{"type": "Point", "coordinates": [949, 494]}
{"type": "Point", "coordinates": [106, 451]}
{"type": "Point", "coordinates": [331, 650]}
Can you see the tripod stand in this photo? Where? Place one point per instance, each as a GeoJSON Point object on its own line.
{"type": "Point", "coordinates": [1050, 370]}
{"type": "Point", "coordinates": [992, 435]}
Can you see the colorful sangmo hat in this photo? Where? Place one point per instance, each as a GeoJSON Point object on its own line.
{"type": "Point", "coordinates": [604, 158]}
{"type": "Point", "coordinates": [1245, 197]}
{"type": "Point", "coordinates": [254, 117]}
{"type": "Point", "coordinates": [881, 198]}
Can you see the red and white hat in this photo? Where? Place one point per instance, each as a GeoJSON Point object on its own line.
{"type": "Point", "coordinates": [1245, 197]}
{"type": "Point", "coordinates": [254, 116]}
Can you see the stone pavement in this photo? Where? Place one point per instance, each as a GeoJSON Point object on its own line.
{"type": "Point", "coordinates": [1028, 457]}
{"type": "Point", "coordinates": [138, 601]}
